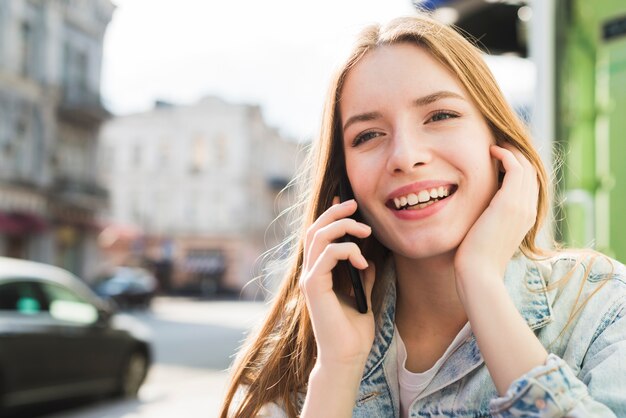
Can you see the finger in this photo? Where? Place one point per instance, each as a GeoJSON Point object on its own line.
{"type": "Point", "coordinates": [513, 177]}
{"type": "Point", "coordinates": [327, 261]}
{"type": "Point", "coordinates": [335, 212]}
{"type": "Point", "coordinates": [519, 191]}
{"type": "Point", "coordinates": [530, 182]}
{"type": "Point", "coordinates": [529, 170]}
{"type": "Point", "coordinates": [333, 232]}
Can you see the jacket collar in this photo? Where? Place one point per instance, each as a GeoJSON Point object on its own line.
{"type": "Point", "coordinates": [526, 287]}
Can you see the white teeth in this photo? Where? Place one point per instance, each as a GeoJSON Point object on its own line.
{"type": "Point", "coordinates": [422, 199]}
{"type": "Point", "coordinates": [423, 196]}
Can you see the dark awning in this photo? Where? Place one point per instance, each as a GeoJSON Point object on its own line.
{"type": "Point", "coordinates": [21, 223]}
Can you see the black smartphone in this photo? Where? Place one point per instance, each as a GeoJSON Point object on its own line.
{"type": "Point", "coordinates": [345, 193]}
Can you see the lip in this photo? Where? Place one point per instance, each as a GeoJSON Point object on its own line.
{"type": "Point", "coordinates": [418, 186]}
{"type": "Point", "coordinates": [416, 214]}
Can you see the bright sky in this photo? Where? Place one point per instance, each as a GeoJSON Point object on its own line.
{"type": "Point", "coordinates": [275, 53]}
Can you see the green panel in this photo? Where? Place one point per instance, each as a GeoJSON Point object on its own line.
{"type": "Point", "coordinates": [576, 124]}
{"type": "Point", "coordinates": [592, 100]}
{"type": "Point", "coordinates": [614, 117]}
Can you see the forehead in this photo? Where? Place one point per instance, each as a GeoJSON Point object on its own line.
{"type": "Point", "coordinates": [401, 70]}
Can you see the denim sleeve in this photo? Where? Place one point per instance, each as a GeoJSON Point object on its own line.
{"type": "Point", "coordinates": [554, 390]}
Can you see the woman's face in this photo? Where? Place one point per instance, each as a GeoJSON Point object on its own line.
{"type": "Point", "coordinates": [417, 151]}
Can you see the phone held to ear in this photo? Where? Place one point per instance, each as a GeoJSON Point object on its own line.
{"type": "Point", "coordinates": [345, 193]}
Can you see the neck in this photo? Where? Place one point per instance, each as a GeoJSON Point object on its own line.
{"type": "Point", "coordinates": [427, 299]}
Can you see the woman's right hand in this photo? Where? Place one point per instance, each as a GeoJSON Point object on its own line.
{"type": "Point", "coordinates": [344, 336]}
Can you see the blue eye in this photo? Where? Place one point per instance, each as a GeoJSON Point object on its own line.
{"type": "Point", "coordinates": [364, 137]}
{"type": "Point", "coordinates": [442, 115]}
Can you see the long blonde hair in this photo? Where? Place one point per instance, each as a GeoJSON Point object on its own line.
{"type": "Point", "coordinates": [276, 363]}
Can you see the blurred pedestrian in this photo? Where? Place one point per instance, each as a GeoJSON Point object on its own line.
{"type": "Point", "coordinates": [465, 314]}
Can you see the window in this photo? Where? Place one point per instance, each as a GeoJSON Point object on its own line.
{"type": "Point", "coordinates": [221, 150]}
{"type": "Point", "coordinates": [31, 38]}
{"type": "Point", "coordinates": [27, 48]}
{"type": "Point", "coordinates": [198, 155]}
{"type": "Point", "coordinates": [22, 144]}
{"type": "Point", "coordinates": [23, 297]}
{"type": "Point", "coordinates": [75, 73]}
{"type": "Point", "coordinates": [65, 305]}
{"type": "Point", "coordinates": [2, 35]}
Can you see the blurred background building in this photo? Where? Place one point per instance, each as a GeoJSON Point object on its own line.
{"type": "Point", "coordinates": [191, 189]}
{"type": "Point", "coordinates": [578, 49]}
{"type": "Point", "coordinates": [50, 113]}
{"type": "Point", "coordinates": [194, 191]}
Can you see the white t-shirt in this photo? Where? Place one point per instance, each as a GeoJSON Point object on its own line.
{"type": "Point", "coordinates": [413, 384]}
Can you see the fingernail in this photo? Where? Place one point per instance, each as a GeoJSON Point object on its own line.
{"type": "Point", "coordinates": [348, 202]}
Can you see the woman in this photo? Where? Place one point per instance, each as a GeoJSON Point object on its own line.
{"type": "Point", "coordinates": [467, 316]}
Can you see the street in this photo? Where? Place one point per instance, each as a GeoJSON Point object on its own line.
{"type": "Point", "coordinates": [193, 345]}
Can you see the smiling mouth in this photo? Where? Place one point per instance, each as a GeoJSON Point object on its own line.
{"type": "Point", "coordinates": [421, 199]}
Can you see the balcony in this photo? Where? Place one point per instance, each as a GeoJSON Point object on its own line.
{"type": "Point", "coordinates": [81, 105]}
{"type": "Point", "coordinates": [84, 193]}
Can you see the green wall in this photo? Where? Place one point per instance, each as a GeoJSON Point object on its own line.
{"type": "Point", "coordinates": [591, 125]}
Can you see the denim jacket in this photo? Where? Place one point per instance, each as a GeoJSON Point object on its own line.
{"type": "Point", "coordinates": [584, 376]}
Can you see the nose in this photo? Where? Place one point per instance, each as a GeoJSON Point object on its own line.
{"type": "Point", "coordinates": [407, 152]}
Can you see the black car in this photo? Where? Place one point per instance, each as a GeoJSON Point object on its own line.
{"type": "Point", "coordinates": [58, 340]}
{"type": "Point", "coordinates": [128, 287]}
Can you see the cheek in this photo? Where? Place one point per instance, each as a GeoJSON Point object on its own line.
{"type": "Point", "coordinates": [362, 176]}
{"type": "Point", "coordinates": [364, 186]}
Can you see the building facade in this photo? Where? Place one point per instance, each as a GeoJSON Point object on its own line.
{"type": "Point", "coordinates": [50, 113]}
{"type": "Point", "coordinates": [198, 186]}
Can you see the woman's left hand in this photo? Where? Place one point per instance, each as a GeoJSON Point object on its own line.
{"type": "Point", "coordinates": [497, 233]}
{"type": "Point", "coordinates": [506, 343]}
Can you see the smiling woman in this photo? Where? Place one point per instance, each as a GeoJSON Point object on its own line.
{"type": "Point", "coordinates": [467, 316]}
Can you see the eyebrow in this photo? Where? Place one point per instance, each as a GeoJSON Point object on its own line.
{"type": "Point", "coordinates": [420, 102]}
{"type": "Point", "coordinates": [439, 95]}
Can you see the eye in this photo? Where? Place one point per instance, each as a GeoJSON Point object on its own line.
{"type": "Point", "coordinates": [364, 137]}
{"type": "Point", "coordinates": [442, 115]}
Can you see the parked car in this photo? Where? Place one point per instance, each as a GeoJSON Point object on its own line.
{"type": "Point", "coordinates": [59, 340]}
{"type": "Point", "coordinates": [128, 287]}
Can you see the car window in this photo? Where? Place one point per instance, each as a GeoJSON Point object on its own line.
{"type": "Point", "coordinates": [23, 297]}
{"type": "Point", "coordinates": [66, 305]}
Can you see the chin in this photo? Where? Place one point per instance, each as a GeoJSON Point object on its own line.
{"type": "Point", "coordinates": [422, 248]}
